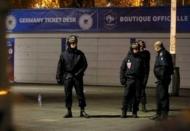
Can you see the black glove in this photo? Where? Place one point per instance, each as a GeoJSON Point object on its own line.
{"type": "Point", "coordinates": [78, 75]}
{"type": "Point", "coordinates": [60, 82]}
{"type": "Point", "coordinates": [123, 82]}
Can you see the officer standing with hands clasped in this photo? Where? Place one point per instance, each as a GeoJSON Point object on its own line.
{"type": "Point", "coordinates": [70, 71]}
{"type": "Point", "coordinates": [145, 54]}
{"type": "Point", "coordinates": [131, 73]}
{"type": "Point", "coordinates": [163, 69]}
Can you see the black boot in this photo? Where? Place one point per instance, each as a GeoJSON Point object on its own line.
{"type": "Point", "coordinates": [124, 114]}
{"type": "Point", "coordinates": [144, 108]}
{"type": "Point", "coordinates": [164, 116]}
{"type": "Point", "coordinates": [134, 114]}
{"type": "Point", "coordinates": [68, 114]}
{"type": "Point", "coordinates": [83, 113]}
{"type": "Point", "coordinates": [156, 117]}
{"type": "Point", "coordinates": [130, 108]}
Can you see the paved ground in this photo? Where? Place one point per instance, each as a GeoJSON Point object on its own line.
{"type": "Point", "coordinates": [103, 106]}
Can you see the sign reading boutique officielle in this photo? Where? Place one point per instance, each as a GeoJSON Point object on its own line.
{"type": "Point", "coordinates": [97, 20]}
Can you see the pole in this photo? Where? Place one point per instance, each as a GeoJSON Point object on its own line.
{"type": "Point", "coordinates": [173, 29]}
{"type": "Point", "coordinates": [175, 83]}
{"type": "Point", "coordinates": [183, 3]}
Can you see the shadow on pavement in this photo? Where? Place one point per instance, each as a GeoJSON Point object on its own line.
{"type": "Point", "coordinates": [115, 116]}
{"type": "Point", "coordinates": [104, 116]}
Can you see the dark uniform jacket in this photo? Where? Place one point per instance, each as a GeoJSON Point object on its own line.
{"type": "Point", "coordinates": [131, 68]}
{"type": "Point", "coordinates": [72, 63]}
{"type": "Point", "coordinates": [145, 54]}
{"type": "Point", "coordinates": [163, 67]}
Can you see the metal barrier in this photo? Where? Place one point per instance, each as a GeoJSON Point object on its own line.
{"type": "Point", "coordinates": [175, 83]}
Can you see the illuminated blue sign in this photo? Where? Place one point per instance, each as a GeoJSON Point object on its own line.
{"type": "Point", "coordinates": [97, 20]}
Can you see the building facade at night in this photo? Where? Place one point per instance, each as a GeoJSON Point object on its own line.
{"type": "Point", "coordinates": [92, 3]}
{"type": "Point", "coordinates": [39, 35]}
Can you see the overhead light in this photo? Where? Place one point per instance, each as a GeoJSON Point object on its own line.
{"type": "Point", "coordinates": [3, 92]}
{"type": "Point", "coordinates": [46, 4]}
{"type": "Point", "coordinates": [109, 4]}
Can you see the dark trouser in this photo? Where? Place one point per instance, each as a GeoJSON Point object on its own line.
{"type": "Point", "coordinates": [143, 90]}
{"type": "Point", "coordinates": [78, 85]}
{"type": "Point", "coordinates": [162, 96]}
{"type": "Point", "coordinates": [132, 94]}
{"type": "Point", "coordinates": [143, 95]}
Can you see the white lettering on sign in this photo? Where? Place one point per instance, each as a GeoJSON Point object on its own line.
{"type": "Point", "coordinates": [47, 20]}
{"type": "Point", "coordinates": [161, 18]}
{"type": "Point", "coordinates": [31, 20]}
{"type": "Point", "coordinates": [53, 20]}
{"type": "Point", "coordinates": [69, 19]}
{"type": "Point", "coordinates": [141, 19]}
{"type": "Point", "coordinates": [135, 19]}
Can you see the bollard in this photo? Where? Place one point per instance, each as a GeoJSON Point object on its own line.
{"type": "Point", "coordinates": [175, 83]}
{"type": "Point", "coordinates": [40, 100]}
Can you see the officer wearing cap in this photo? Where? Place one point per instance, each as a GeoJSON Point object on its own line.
{"type": "Point", "coordinates": [163, 69]}
{"type": "Point", "coordinates": [131, 73]}
{"type": "Point", "coordinates": [145, 54]}
{"type": "Point", "coordinates": [70, 71]}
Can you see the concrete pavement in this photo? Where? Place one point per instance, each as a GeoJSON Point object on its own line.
{"type": "Point", "coordinates": [103, 106]}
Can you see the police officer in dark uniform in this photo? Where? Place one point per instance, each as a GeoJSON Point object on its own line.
{"type": "Point", "coordinates": [131, 73]}
{"type": "Point", "coordinates": [163, 69]}
{"type": "Point", "coordinates": [71, 67]}
{"type": "Point", "coordinates": [145, 54]}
